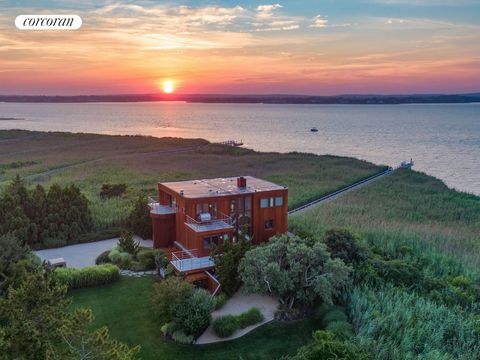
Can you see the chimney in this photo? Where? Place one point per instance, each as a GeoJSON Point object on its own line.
{"type": "Point", "coordinates": [241, 182]}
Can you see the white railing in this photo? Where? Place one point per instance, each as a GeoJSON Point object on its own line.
{"type": "Point", "coordinates": [216, 281]}
{"type": "Point", "coordinates": [197, 225]}
{"type": "Point", "coordinates": [157, 208]}
{"type": "Point", "coordinates": [189, 260]}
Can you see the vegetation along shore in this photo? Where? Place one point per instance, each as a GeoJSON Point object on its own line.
{"type": "Point", "coordinates": [401, 255]}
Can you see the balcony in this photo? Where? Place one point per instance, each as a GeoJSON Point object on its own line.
{"type": "Point", "coordinates": [206, 223]}
{"type": "Point", "coordinates": [188, 260]}
{"type": "Point", "coordinates": [158, 209]}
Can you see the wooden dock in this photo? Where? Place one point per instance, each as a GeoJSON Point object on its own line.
{"type": "Point", "coordinates": [232, 143]}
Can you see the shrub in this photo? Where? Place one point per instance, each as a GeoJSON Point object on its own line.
{"type": "Point", "coordinates": [225, 326]}
{"type": "Point", "coordinates": [343, 245]}
{"type": "Point", "coordinates": [146, 257]}
{"type": "Point", "coordinates": [168, 294]}
{"type": "Point", "coordinates": [220, 300]}
{"type": "Point", "coordinates": [193, 314]}
{"type": "Point", "coordinates": [326, 346]}
{"type": "Point", "coordinates": [168, 329]}
{"type": "Point", "coordinates": [161, 260]}
{"type": "Point", "coordinates": [103, 258]}
{"type": "Point", "coordinates": [227, 265]}
{"type": "Point", "coordinates": [127, 244]}
{"type": "Point", "coordinates": [250, 317]}
{"type": "Point", "coordinates": [340, 329]}
{"type": "Point", "coordinates": [182, 338]}
{"type": "Point", "coordinates": [88, 276]}
{"type": "Point", "coordinates": [334, 315]}
{"type": "Point", "coordinates": [112, 190]}
{"type": "Point", "coordinates": [120, 258]}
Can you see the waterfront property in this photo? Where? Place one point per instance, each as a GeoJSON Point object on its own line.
{"type": "Point", "coordinates": [190, 217]}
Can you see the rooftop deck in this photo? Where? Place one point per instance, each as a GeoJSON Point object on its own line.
{"type": "Point", "coordinates": [156, 208]}
{"type": "Point", "coordinates": [194, 189]}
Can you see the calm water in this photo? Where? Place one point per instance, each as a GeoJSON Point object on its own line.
{"type": "Point", "coordinates": [443, 140]}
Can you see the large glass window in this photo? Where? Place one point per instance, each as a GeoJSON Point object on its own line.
{"type": "Point", "coordinates": [279, 201]}
{"type": "Point", "coordinates": [264, 203]}
{"type": "Point", "coordinates": [206, 208]}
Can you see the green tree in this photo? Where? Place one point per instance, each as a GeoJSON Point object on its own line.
{"type": "Point", "coordinates": [16, 262]}
{"type": "Point", "coordinates": [139, 220]}
{"type": "Point", "coordinates": [342, 244]}
{"type": "Point", "coordinates": [168, 294]}
{"type": "Point", "coordinates": [294, 272]}
{"type": "Point", "coordinates": [193, 314]}
{"type": "Point", "coordinates": [127, 244]}
{"type": "Point", "coordinates": [38, 325]}
{"type": "Point", "coordinates": [97, 345]}
{"type": "Point", "coordinates": [33, 315]}
{"type": "Point", "coordinates": [227, 260]}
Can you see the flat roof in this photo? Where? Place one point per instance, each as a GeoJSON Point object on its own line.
{"type": "Point", "coordinates": [220, 187]}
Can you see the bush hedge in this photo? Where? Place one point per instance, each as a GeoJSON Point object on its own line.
{"type": "Point", "coordinates": [225, 326]}
{"type": "Point", "coordinates": [182, 338]}
{"type": "Point", "coordinates": [103, 258]}
{"type": "Point", "coordinates": [220, 300]}
{"type": "Point", "coordinates": [87, 277]}
{"type": "Point", "coordinates": [250, 317]}
{"type": "Point", "coordinates": [146, 257]}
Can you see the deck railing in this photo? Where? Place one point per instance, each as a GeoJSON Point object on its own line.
{"type": "Point", "coordinates": [156, 207]}
{"type": "Point", "coordinates": [221, 218]}
{"type": "Point", "coordinates": [189, 260]}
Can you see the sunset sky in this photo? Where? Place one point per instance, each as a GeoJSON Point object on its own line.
{"type": "Point", "coordinates": [319, 47]}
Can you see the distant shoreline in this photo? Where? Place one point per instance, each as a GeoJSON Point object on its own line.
{"type": "Point", "coordinates": [253, 99]}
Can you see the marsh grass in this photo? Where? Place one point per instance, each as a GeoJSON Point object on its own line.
{"type": "Point", "coordinates": [140, 162]}
{"type": "Point", "coordinates": [408, 208]}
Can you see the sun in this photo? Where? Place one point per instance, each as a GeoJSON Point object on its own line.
{"type": "Point", "coordinates": [168, 86]}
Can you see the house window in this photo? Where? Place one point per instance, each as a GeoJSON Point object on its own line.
{"type": "Point", "coordinates": [207, 241]}
{"type": "Point", "coordinates": [272, 203]}
{"type": "Point", "coordinates": [279, 201]}
{"type": "Point", "coordinates": [264, 203]}
{"type": "Point", "coordinates": [268, 224]}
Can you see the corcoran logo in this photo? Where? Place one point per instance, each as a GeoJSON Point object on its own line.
{"type": "Point", "coordinates": [48, 22]}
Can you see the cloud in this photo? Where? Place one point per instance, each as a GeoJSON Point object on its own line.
{"type": "Point", "coordinates": [424, 2]}
{"type": "Point", "coordinates": [268, 8]}
{"type": "Point", "coordinates": [319, 22]}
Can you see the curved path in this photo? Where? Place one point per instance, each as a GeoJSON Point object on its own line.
{"type": "Point", "coordinates": [340, 192]}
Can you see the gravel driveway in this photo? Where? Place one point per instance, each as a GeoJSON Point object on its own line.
{"type": "Point", "coordinates": [82, 255]}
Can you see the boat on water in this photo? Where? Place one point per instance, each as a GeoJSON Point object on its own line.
{"type": "Point", "coordinates": [314, 129]}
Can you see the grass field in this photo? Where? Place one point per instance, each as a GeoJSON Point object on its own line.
{"type": "Point", "coordinates": [407, 207]}
{"type": "Point", "coordinates": [126, 309]}
{"type": "Point", "coordinates": [90, 160]}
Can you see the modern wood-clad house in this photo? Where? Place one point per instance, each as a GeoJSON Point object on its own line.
{"type": "Point", "coordinates": [190, 216]}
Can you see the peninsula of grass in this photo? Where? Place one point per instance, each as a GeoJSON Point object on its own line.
{"type": "Point", "coordinates": [140, 162]}
{"type": "Point", "coordinates": [126, 308]}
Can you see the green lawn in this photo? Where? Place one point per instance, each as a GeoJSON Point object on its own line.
{"type": "Point", "coordinates": [126, 309]}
